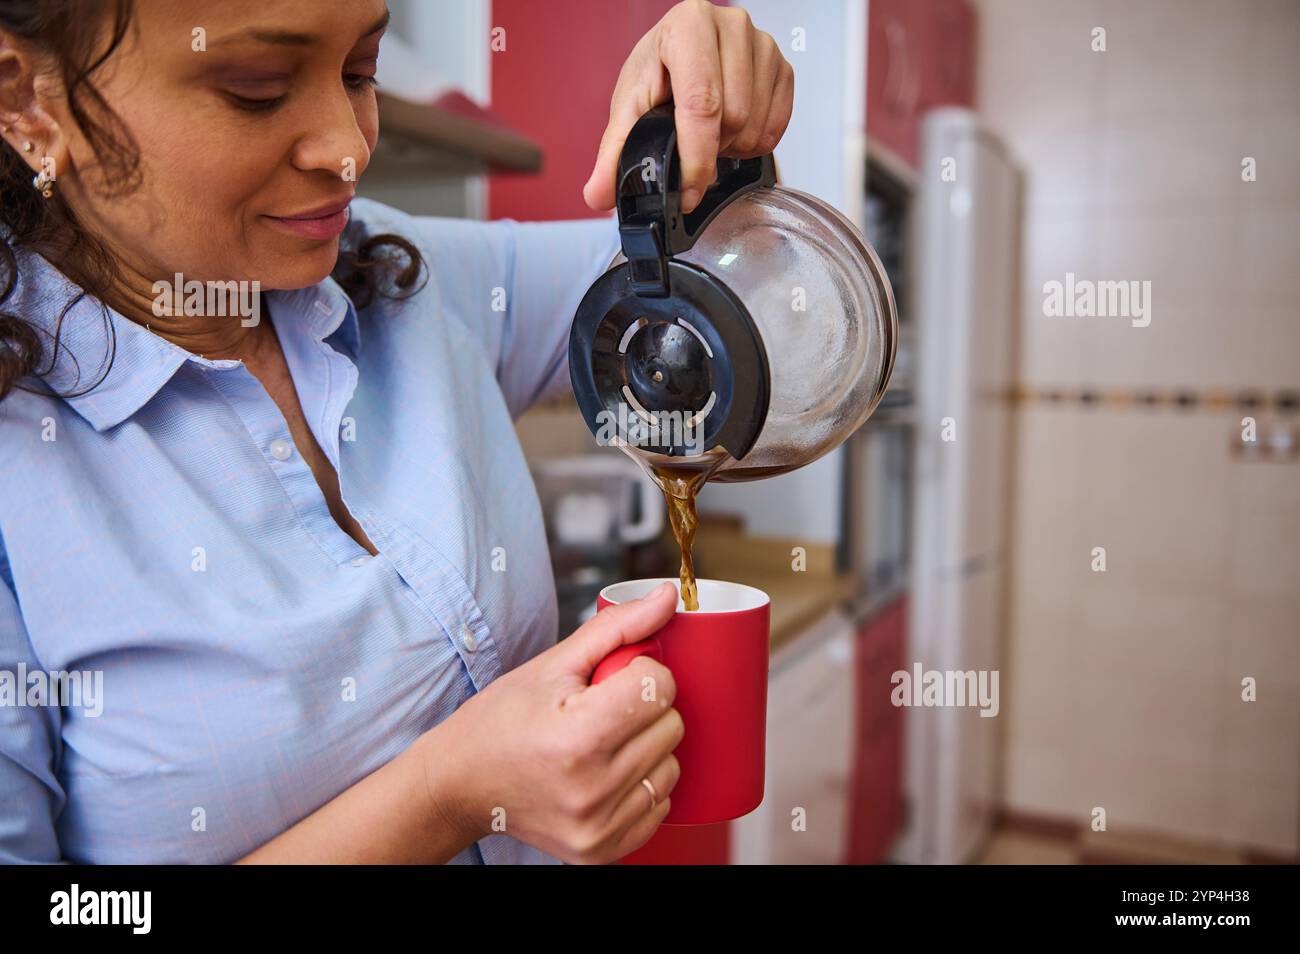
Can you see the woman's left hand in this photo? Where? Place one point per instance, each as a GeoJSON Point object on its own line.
{"type": "Point", "coordinates": [731, 88]}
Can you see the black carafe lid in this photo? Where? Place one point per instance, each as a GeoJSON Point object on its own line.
{"type": "Point", "coordinates": [658, 334]}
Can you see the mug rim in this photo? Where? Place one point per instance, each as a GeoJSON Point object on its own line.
{"type": "Point", "coordinates": [757, 598]}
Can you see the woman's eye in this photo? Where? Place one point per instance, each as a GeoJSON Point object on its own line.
{"type": "Point", "coordinates": [355, 82]}
{"type": "Point", "coordinates": [359, 81]}
{"type": "Point", "coordinates": [254, 105]}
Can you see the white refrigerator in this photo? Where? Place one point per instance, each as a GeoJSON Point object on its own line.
{"type": "Point", "coordinates": [964, 263]}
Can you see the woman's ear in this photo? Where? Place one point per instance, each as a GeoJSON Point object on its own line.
{"type": "Point", "coordinates": [25, 125]}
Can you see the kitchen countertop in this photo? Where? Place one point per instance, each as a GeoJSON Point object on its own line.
{"type": "Point", "coordinates": [799, 597]}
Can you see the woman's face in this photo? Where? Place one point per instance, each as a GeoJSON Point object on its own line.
{"type": "Point", "coordinates": [249, 115]}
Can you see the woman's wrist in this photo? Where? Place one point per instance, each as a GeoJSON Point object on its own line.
{"type": "Point", "coordinates": [446, 786]}
{"type": "Point", "coordinates": [412, 810]}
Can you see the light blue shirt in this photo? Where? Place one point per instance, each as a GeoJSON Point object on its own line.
{"type": "Point", "coordinates": [255, 660]}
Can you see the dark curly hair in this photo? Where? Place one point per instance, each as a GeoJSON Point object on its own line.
{"type": "Point", "coordinates": [73, 32]}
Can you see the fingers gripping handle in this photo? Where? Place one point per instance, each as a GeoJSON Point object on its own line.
{"type": "Point", "coordinates": [622, 657]}
{"type": "Point", "coordinates": [651, 223]}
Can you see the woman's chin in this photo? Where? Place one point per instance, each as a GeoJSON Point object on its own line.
{"type": "Point", "coordinates": [302, 269]}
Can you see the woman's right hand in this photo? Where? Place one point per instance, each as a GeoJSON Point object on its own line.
{"type": "Point", "coordinates": [545, 757]}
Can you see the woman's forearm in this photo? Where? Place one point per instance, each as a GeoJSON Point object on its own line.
{"type": "Point", "coordinates": [402, 813]}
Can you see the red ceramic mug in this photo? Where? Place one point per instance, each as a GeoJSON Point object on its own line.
{"type": "Point", "coordinates": [718, 656]}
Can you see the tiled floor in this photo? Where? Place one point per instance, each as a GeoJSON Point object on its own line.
{"type": "Point", "coordinates": [1023, 842]}
{"type": "Point", "coordinates": [1023, 848]}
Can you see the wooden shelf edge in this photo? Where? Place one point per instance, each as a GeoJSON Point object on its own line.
{"type": "Point", "coordinates": [502, 150]}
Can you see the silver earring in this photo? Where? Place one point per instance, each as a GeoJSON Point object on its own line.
{"type": "Point", "coordinates": [27, 145]}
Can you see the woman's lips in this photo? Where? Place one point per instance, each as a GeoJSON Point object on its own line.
{"type": "Point", "coordinates": [325, 223]}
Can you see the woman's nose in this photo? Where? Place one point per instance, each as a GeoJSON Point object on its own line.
{"type": "Point", "coordinates": [335, 141]}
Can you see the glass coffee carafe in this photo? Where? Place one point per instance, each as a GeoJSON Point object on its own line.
{"type": "Point", "coordinates": [742, 340]}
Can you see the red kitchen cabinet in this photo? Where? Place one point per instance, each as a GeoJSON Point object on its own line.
{"type": "Point", "coordinates": [553, 83]}
{"type": "Point", "coordinates": [947, 54]}
{"type": "Point", "coordinates": [894, 74]}
{"type": "Point", "coordinates": [920, 54]}
{"type": "Point", "coordinates": [876, 811]}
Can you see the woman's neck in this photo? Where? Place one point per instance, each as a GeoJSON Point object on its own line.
{"type": "Point", "coordinates": [217, 320]}
{"type": "Point", "coordinates": [213, 320]}
{"type": "Point", "coordinates": [216, 336]}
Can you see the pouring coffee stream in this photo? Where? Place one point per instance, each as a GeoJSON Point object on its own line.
{"type": "Point", "coordinates": [737, 342]}
{"type": "Point", "coordinates": [680, 490]}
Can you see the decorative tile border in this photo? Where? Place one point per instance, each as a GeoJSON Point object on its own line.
{"type": "Point", "coordinates": [1181, 399]}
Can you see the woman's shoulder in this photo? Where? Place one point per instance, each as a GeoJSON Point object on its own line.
{"type": "Point", "coordinates": [33, 414]}
{"type": "Point", "coordinates": [36, 428]}
{"type": "Point", "coordinates": [461, 257]}
{"type": "Point", "coordinates": [454, 242]}
{"type": "Point", "coordinates": [30, 415]}
{"type": "Point", "coordinates": [431, 233]}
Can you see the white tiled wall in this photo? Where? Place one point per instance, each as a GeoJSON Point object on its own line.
{"type": "Point", "coordinates": [1125, 686]}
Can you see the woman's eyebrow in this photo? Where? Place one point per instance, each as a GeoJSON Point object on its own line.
{"type": "Point", "coordinates": [292, 37]}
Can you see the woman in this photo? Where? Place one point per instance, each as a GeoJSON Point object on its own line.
{"type": "Point", "coordinates": [290, 532]}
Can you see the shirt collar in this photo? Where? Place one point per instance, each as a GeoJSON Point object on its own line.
{"type": "Point", "coordinates": [142, 362]}
{"type": "Point", "coordinates": [328, 310]}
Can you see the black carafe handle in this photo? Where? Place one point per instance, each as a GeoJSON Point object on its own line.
{"type": "Point", "coordinates": [650, 220]}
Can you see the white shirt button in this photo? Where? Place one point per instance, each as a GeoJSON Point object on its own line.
{"type": "Point", "coordinates": [361, 560]}
{"type": "Point", "coordinates": [281, 449]}
{"type": "Point", "coordinates": [467, 639]}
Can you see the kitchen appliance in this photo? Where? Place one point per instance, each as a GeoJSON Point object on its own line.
{"type": "Point", "coordinates": [746, 338]}
{"type": "Point", "coordinates": [597, 503]}
{"type": "Point", "coordinates": [888, 225]}
{"type": "Point", "coordinates": [964, 305]}
{"type": "Point", "coordinates": [604, 518]}
{"type": "Point", "coordinates": [879, 484]}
